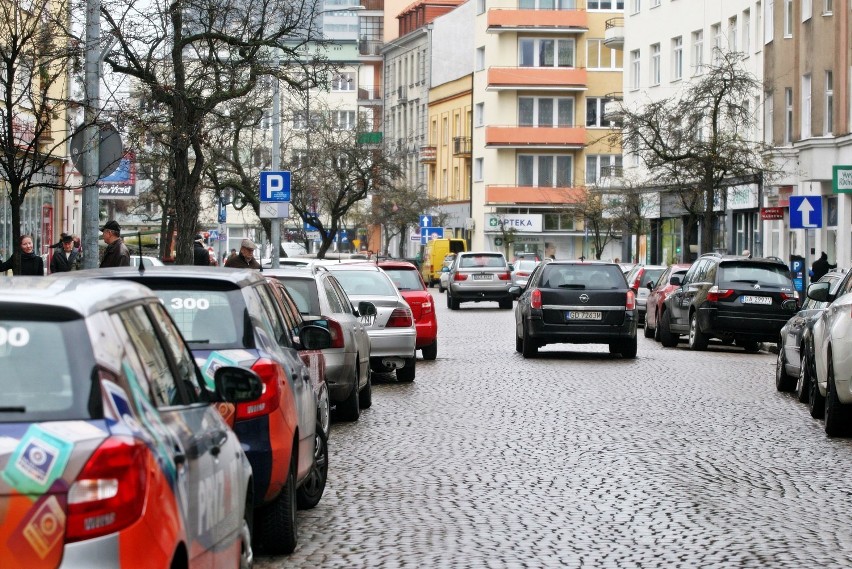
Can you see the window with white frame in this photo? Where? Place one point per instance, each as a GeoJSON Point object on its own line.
{"type": "Point", "coordinates": [596, 113]}
{"type": "Point", "coordinates": [479, 114]}
{"type": "Point", "coordinates": [477, 169]}
{"type": "Point", "coordinates": [480, 6]}
{"type": "Point", "coordinates": [343, 81]}
{"type": "Point", "coordinates": [605, 5]}
{"type": "Point", "coordinates": [758, 26]}
{"type": "Point", "coordinates": [546, 52]}
{"type": "Point", "coordinates": [655, 64]}
{"type": "Point", "coordinates": [602, 166]}
{"type": "Point", "coordinates": [769, 22]}
{"type": "Point", "coordinates": [746, 32]}
{"type": "Point", "coordinates": [697, 52]}
{"type": "Point", "coordinates": [635, 6]}
{"type": "Point", "coordinates": [599, 56]}
{"type": "Point", "coordinates": [716, 32]}
{"type": "Point", "coordinates": [480, 58]}
{"type": "Point", "coordinates": [732, 34]}
{"type": "Point", "coordinates": [807, 10]}
{"type": "Point", "coordinates": [829, 103]}
{"type": "Point", "coordinates": [806, 106]}
{"type": "Point", "coordinates": [546, 111]}
{"type": "Point", "coordinates": [788, 115]}
{"type": "Point", "coordinates": [545, 170]}
{"type": "Point", "coordinates": [788, 18]}
{"type": "Point", "coordinates": [677, 58]}
{"type": "Point", "coordinates": [827, 7]}
{"type": "Point", "coordinates": [343, 120]}
{"type": "Point", "coordinates": [635, 68]}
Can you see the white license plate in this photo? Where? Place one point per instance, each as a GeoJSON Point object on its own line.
{"type": "Point", "coordinates": [482, 277]}
{"type": "Point", "coordinates": [578, 315]}
{"type": "Point", "coordinates": [756, 299]}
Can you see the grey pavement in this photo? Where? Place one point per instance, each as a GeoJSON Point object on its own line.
{"type": "Point", "coordinates": [579, 459]}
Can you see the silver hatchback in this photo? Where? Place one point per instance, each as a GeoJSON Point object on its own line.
{"type": "Point", "coordinates": [477, 276]}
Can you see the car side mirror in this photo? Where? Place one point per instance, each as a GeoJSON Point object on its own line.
{"type": "Point", "coordinates": [366, 308]}
{"type": "Point", "coordinates": [819, 292]}
{"type": "Point", "coordinates": [237, 384]}
{"type": "Point", "coordinates": [511, 267]}
{"type": "Point", "coordinates": [675, 280]}
{"type": "Point", "coordinates": [313, 337]}
{"type": "Point", "coordinates": [445, 269]}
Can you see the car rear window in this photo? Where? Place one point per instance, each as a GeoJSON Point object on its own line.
{"type": "Point", "coordinates": [738, 272]}
{"type": "Point", "coordinates": [525, 265]}
{"type": "Point", "coordinates": [304, 293]}
{"type": "Point", "coordinates": [405, 279]}
{"type": "Point", "coordinates": [206, 318]}
{"type": "Point", "coordinates": [47, 370]}
{"type": "Point", "coordinates": [650, 276]}
{"type": "Point", "coordinates": [365, 283]}
{"type": "Point", "coordinates": [483, 260]}
{"type": "Point", "coordinates": [582, 277]}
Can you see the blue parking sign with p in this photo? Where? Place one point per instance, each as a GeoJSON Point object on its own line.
{"type": "Point", "coordinates": [275, 186]}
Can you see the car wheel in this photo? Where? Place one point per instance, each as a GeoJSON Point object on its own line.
{"type": "Point", "coordinates": [529, 348]}
{"type": "Point", "coordinates": [441, 288]}
{"type": "Point", "coordinates": [783, 381]}
{"type": "Point", "coordinates": [277, 529]}
{"type": "Point", "coordinates": [751, 346]}
{"type": "Point", "coordinates": [350, 408]}
{"type": "Point", "coordinates": [816, 401]}
{"type": "Point", "coordinates": [406, 373]}
{"type": "Point", "coordinates": [627, 348]}
{"type": "Point", "coordinates": [803, 385]}
{"type": "Point", "coordinates": [246, 551]}
{"type": "Point", "coordinates": [697, 338]}
{"type": "Point", "coordinates": [667, 339]}
{"type": "Point", "coordinates": [519, 343]}
{"type": "Point", "coordinates": [649, 332]}
{"type": "Point", "coordinates": [365, 397]}
{"type": "Point", "coordinates": [311, 491]}
{"type": "Point", "coordinates": [430, 352]}
{"type": "Point", "coordinates": [836, 413]}
{"type": "Point", "coordinates": [657, 329]}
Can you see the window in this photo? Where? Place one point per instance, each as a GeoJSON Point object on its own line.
{"type": "Point", "coordinates": [655, 64]}
{"type": "Point", "coordinates": [164, 391]}
{"type": "Point", "coordinates": [746, 32]}
{"type": "Point", "coordinates": [545, 52]}
{"type": "Point", "coordinates": [807, 10]}
{"type": "Point", "coordinates": [769, 22]}
{"type": "Point", "coordinates": [480, 58]}
{"type": "Point", "coordinates": [635, 68]}
{"type": "Point", "coordinates": [558, 221]}
{"type": "Point", "coordinates": [602, 166]}
{"type": "Point", "coordinates": [599, 56]}
{"type": "Point", "coordinates": [697, 51]}
{"type": "Point", "coordinates": [479, 114]}
{"type": "Point", "coordinates": [732, 34]}
{"type": "Point", "coordinates": [546, 111]}
{"type": "Point", "coordinates": [635, 6]}
{"type": "Point", "coordinates": [545, 171]}
{"type": "Point", "coordinates": [827, 7]}
{"type": "Point", "coordinates": [595, 108]}
{"type": "Point", "coordinates": [477, 169]}
{"type": "Point", "coordinates": [677, 58]}
{"type": "Point", "coordinates": [788, 18]}
{"type": "Point", "coordinates": [716, 32]}
{"type": "Point", "coordinates": [173, 342]}
{"type": "Point", "coordinates": [343, 82]}
{"type": "Point", "coordinates": [806, 106]}
{"type": "Point", "coordinates": [343, 120]}
{"type": "Point", "coordinates": [829, 103]}
{"type": "Point", "coordinates": [605, 5]}
{"type": "Point", "coordinates": [758, 26]}
{"type": "Point", "coordinates": [788, 115]}
{"type": "Point", "coordinates": [480, 6]}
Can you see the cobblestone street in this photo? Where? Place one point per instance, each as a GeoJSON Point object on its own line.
{"type": "Point", "coordinates": [579, 459]}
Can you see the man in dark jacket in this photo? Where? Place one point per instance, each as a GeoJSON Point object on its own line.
{"type": "Point", "coordinates": [116, 254]}
{"type": "Point", "coordinates": [200, 256]}
{"type": "Point", "coordinates": [820, 267]}
{"type": "Point", "coordinates": [245, 258]}
{"type": "Point", "coordinates": [66, 259]}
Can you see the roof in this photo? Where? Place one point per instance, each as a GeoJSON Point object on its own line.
{"type": "Point", "coordinates": [70, 291]}
{"type": "Point", "coordinates": [238, 277]}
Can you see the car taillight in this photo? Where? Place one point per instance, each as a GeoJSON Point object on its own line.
{"type": "Point", "coordinates": [522, 274]}
{"type": "Point", "coordinates": [788, 296]}
{"type": "Point", "coordinates": [715, 293]}
{"type": "Point", "coordinates": [459, 277]}
{"type": "Point", "coordinates": [535, 298]}
{"type": "Point", "coordinates": [400, 318]}
{"type": "Point", "coordinates": [426, 307]}
{"type": "Point", "coordinates": [505, 276]}
{"type": "Point", "coordinates": [272, 377]}
{"type": "Point", "coordinates": [336, 333]}
{"type": "Point", "coordinates": [631, 300]}
{"type": "Point", "coordinates": [109, 493]}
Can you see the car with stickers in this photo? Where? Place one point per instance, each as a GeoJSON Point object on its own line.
{"type": "Point", "coordinates": [408, 281]}
{"type": "Point", "coordinates": [112, 449]}
{"type": "Point", "coordinates": [231, 317]}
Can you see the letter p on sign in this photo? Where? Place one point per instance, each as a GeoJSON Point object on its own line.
{"type": "Point", "coordinates": [275, 186]}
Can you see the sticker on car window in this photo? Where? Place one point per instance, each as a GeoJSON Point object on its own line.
{"type": "Point", "coordinates": [15, 337]}
{"type": "Point", "coordinates": [189, 303]}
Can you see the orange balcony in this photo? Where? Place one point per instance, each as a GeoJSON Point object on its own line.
{"type": "Point", "coordinates": [534, 137]}
{"type": "Point", "coordinates": [542, 21]}
{"type": "Point", "coordinates": [532, 195]}
{"type": "Point", "coordinates": [541, 78]}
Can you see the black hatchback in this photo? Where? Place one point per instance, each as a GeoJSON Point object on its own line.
{"type": "Point", "coordinates": [731, 298]}
{"type": "Point", "coordinates": [577, 303]}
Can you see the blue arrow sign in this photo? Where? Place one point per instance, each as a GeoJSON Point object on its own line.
{"type": "Point", "coordinates": [429, 233]}
{"type": "Point", "coordinates": [805, 212]}
{"type": "Point", "coordinates": [275, 186]}
{"type": "Point", "coordinates": [425, 221]}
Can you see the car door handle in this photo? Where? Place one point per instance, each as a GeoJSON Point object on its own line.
{"type": "Point", "coordinates": [180, 457]}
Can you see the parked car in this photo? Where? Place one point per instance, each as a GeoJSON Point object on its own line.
{"type": "Point", "coordinates": [731, 298]}
{"type": "Point", "coordinates": [639, 278]}
{"type": "Point", "coordinates": [115, 438]}
{"type": "Point", "coordinates": [477, 276]}
{"type": "Point", "coordinates": [521, 271]}
{"type": "Point", "coordinates": [231, 317]}
{"type": "Point", "coordinates": [579, 303]}
{"type": "Point", "coordinates": [657, 293]}
{"type": "Point", "coordinates": [443, 282]}
{"type": "Point", "coordinates": [792, 366]}
{"type": "Point", "coordinates": [408, 281]}
{"type": "Point", "coordinates": [832, 344]}
{"type": "Point", "coordinates": [317, 293]}
{"type": "Point", "coordinates": [393, 336]}
{"type": "Point", "coordinates": [146, 262]}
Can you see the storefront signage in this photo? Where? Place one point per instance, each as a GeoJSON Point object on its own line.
{"type": "Point", "coordinates": [742, 197]}
{"type": "Point", "coordinates": [842, 179]}
{"type": "Point", "coordinates": [772, 213]}
{"type": "Point", "coordinates": [520, 223]}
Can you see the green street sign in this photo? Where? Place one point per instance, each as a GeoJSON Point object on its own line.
{"type": "Point", "coordinates": [842, 179]}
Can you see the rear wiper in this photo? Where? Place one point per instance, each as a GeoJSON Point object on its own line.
{"type": "Point", "coordinates": [573, 286]}
{"type": "Point", "coordinates": [18, 409]}
{"type": "Point", "coordinates": [750, 281]}
{"type": "Point", "coordinates": [199, 341]}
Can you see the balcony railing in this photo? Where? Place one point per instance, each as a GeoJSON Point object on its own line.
{"type": "Point", "coordinates": [549, 78]}
{"type": "Point", "coordinates": [461, 146]}
{"type": "Point", "coordinates": [428, 154]}
{"type": "Point", "coordinates": [369, 93]}
{"type": "Point", "coordinates": [614, 33]}
{"type": "Point", "coordinates": [564, 20]}
{"type": "Point", "coordinates": [534, 136]}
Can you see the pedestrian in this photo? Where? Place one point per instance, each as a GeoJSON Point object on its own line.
{"type": "Point", "coordinates": [66, 259]}
{"type": "Point", "coordinates": [747, 253]}
{"type": "Point", "coordinates": [820, 267]}
{"type": "Point", "coordinates": [245, 258]}
{"type": "Point", "coordinates": [116, 253]}
{"type": "Point", "coordinates": [200, 256]}
{"type": "Point", "coordinates": [31, 264]}
{"type": "Point", "coordinates": [231, 256]}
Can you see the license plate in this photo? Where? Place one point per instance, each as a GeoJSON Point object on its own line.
{"type": "Point", "coordinates": [756, 299]}
{"type": "Point", "coordinates": [482, 277]}
{"type": "Point", "coordinates": [577, 315]}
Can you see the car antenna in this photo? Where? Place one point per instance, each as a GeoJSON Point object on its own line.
{"type": "Point", "coordinates": [139, 245]}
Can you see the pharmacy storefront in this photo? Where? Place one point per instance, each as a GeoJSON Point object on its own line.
{"type": "Point", "coordinates": [544, 233]}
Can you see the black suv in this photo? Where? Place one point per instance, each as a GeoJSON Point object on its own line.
{"type": "Point", "coordinates": [731, 298]}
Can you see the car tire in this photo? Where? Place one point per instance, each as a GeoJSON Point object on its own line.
{"type": "Point", "coordinates": [649, 332]}
{"type": "Point", "coordinates": [365, 396]}
{"type": "Point", "coordinates": [506, 304]}
{"type": "Point", "coordinates": [667, 339]}
{"type": "Point", "coordinates": [627, 348]}
{"type": "Point", "coordinates": [783, 381]}
{"type": "Point", "coordinates": [246, 550]}
{"type": "Point", "coordinates": [454, 304]}
{"type": "Point", "coordinates": [836, 414]}
{"type": "Point", "coordinates": [803, 384]}
{"type": "Point", "coordinates": [816, 401]}
{"type": "Point", "coordinates": [657, 329]}
{"type": "Point", "coordinates": [406, 374]}
{"type": "Point", "coordinates": [276, 527]}
{"type": "Point", "coordinates": [751, 346]}
{"type": "Point", "coordinates": [529, 348]}
{"type": "Point", "coordinates": [519, 343]}
{"type": "Point", "coordinates": [350, 408]}
{"type": "Point", "coordinates": [310, 492]}
{"type": "Point", "coordinates": [697, 339]}
{"type": "Point", "coordinates": [430, 352]}
{"type": "Point", "coordinates": [440, 288]}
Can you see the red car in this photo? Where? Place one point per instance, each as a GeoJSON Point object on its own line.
{"type": "Point", "coordinates": [407, 279]}
{"type": "Point", "coordinates": [659, 291]}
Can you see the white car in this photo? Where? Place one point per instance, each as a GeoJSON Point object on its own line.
{"type": "Point", "coordinates": [147, 262]}
{"type": "Point", "coordinates": [832, 342]}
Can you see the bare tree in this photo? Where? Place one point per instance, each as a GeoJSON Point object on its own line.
{"type": "Point", "coordinates": [598, 219]}
{"type": "Point", "coordinates": [397, 209]}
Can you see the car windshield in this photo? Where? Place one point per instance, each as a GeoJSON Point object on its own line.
{"type": "Point", "coordinates": [483, 260]}
{"type": "Point", "coordinates": [365, 283]}
{"type": "Point", "coordinates": [776, 275]}
{"type": "Point", "coordinates": [207, 318]}
{"type": "Point", "coordinates": [47, 369]}
{"type": "Point", "coordinates": [582, 277]}
{"type": "Point", "coordinates": [405, 279]}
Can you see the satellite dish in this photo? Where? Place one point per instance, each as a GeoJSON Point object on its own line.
{"type": "Point", "coordinates": [110, 150]}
